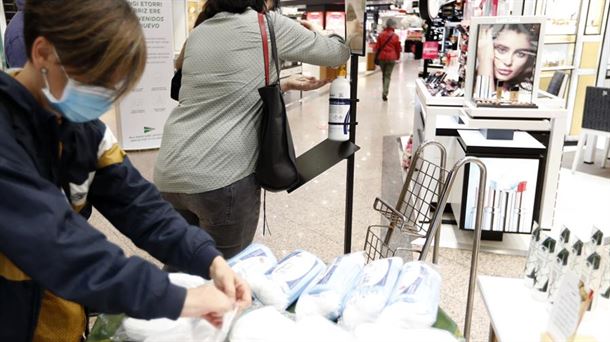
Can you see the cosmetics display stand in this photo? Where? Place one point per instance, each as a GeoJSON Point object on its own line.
{"type": "Point", "coordinates": [440, 118]}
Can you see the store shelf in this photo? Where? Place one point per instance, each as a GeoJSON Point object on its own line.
{"type": "Point", "coordinates": [321, 158]}
{"type": "Point", "coordinates": [429, 100]}
{"type": "Point", "coordinates": [542, 112]}
{"type": "Point", "coordinates": [558, 68]}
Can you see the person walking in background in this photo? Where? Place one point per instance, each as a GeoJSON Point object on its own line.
{"type": "Point", "coordinates": [210, 145]}
{"type": "Point", "coordinates": [388, 48]}
{"type": "Point", "coordinates": [14, 44]}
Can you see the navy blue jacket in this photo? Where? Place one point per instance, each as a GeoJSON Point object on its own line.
{"type": "Point", "coordinates": [14, 42]}
{"type": "Point", "coordinates": [49, 173]}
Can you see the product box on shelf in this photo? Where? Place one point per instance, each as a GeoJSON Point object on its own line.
{"type": "Point", "coordinates": [544, 261]}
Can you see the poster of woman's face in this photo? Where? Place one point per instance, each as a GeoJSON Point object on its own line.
{"type": "Point", "coordinates": [506, 62]}
{"type": "Point", "coordinates": [355, 17]}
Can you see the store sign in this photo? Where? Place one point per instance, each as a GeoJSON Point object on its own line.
{"type": "Point", "coordinates": [142, 114]}
{"type": "Point", "coordinates": [430, 50]}
{"type": "Point", "coordinates": [316, 18]}
{"type": "Point", "coordinates": [335, 23]}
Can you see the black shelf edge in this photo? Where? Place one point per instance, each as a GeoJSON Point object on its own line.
{"type": "Point", "coordinates": [322, 157]}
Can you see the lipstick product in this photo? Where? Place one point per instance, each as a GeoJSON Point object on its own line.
{"type": "Point", "coordinates": [604, 289]}
{"type": "Point", "coordinates": [558, 270]}
{"type": "Point", "coordinates": [575, 262]}
{"type": "Point", "coordinates": [564, 237]}
{"type": "Point", "coordinates": [591, 272]}
{"type": "Point", "coordinates": [519, 210]}
{"type": "Point", "coordinates": [597, 242]}
{"type": "Point", "coordinates": [491, 210]}
{"type": "Point", "coordinates": [545, 254]}
{"type": "Point", "coordinates": [530, 264]}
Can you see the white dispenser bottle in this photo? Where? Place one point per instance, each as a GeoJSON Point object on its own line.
{"type": "Point", "coordinates": [338, 117]}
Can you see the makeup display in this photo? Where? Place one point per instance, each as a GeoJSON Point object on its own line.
{"type": "Point", "coordinates": [439, 85]}
{"type": "Point", "coordinates": [506, 62]}
{"type": "Point", "coordinates": [550, 259]}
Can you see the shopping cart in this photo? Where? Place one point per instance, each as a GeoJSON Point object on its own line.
{"type": "Point", "coordinates": [419, 214]}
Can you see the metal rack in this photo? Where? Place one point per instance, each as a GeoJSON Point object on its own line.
{"type": "Point", "coordinates": [419, 214]}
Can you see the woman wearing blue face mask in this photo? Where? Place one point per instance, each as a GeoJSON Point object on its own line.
{"type": "Point", "coordinates": [57, 161]}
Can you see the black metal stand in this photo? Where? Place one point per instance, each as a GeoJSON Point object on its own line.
{"type": "Point", "coordinates": [329, 153]}
{"type": "Point", "coordinates": [349, 192]}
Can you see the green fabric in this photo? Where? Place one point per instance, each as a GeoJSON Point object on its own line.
{"type": "Point", "coordinates": [107, 326]}
{"type": "Point", "coordinates": [386, 69]}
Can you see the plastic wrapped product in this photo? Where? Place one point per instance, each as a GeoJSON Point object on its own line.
{"type": "Point", "coordinates": [283, 284]}
{"type": "Point", "coordinates": [263, 325]}
{"type": "Point", "coordinates": [389, 333]}
{"type": "Point", "coordinates": [325, 296]}
{"type": "Point", "coordinates": [371, 293]}
{"type": "Point", "coordinates": [140, 329]}
{"type": "Point", "coordinates": [415, 298]}
{"type": "Point", "coordinates": [186, 280]}
{"type": "Point", "coordinates": [256, 259]}
{"type": "Point", "coordinates": [317, 328]}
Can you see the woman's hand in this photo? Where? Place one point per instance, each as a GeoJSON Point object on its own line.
{"type": "Point", "coordinates": [207, 302]}
{"type": "Point", "coordinates": [302, 83]}
{"type": "Point", "coordinates": [230, 283]}
{"type": "Point", "coordinates": [485, 53]}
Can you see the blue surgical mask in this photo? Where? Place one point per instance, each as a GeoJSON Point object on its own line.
{"type": "Point", "coordinates": [80, 102]}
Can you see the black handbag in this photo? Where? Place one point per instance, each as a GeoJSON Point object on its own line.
{"type": "Point", "coordinates": [176, 83]}
{"type": "Point", "coordinates": [276, 168]}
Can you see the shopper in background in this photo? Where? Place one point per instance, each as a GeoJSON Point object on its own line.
{"type": "Point", "coordinates": [57, 160]}
{"type": "Point", "coordinates": [210, 146]}
{"type": "Point", "coordinates": [388, 49]}
{"type": "Point", "coordinates": [14, 44]}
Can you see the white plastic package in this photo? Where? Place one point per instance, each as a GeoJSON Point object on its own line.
{"type": "Point", "coordinates": [255, 260]}
{"type": "Point", "coordinates": [317, 328]}
{"type": "Point", "coordinates": [283, 284]}
{"type": "Point", "coordinates": [325, 296]}
{"type": "Point", "coordinates": [263, 325]}
{"type": "Point", "coordinates": [369, 332]}
{"type": "Point", "coordinates": [371, 293]}
{"type": "Point", "coordinates": [415, 298]}
{"type": "Point", "coordinates": [140, 329]}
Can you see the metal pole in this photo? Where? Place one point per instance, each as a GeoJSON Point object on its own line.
{"type": "Point", "coordinates": [349, 192]}
{"type": "Point", "coordinates": [475, 247]}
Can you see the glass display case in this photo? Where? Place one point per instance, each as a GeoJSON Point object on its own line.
{"type": "Point", "coordinates": [595, 17]}
{"type": "Point", "coordinates": [558, 56]}
{"type": "Point", "coordinates": [562, 16]}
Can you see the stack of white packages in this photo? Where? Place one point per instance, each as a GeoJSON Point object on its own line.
{"type": "Point", "coordinates": [415, 299]}
{"type": "Point", "coordinates": [371, 293]}
{"type": "Point", "coordinates": [369, 332]}
{"type": "Point", "coordinates": [255, 260]}
{"type": "Point", "coordinates": [283, 284]}
{"type": "Point", "coordinates": [325, 297]}
{"type": "Point", "coordinates": [269, 325]}
{"type": "Point", "coordinates": [263, 325]}
{"type": "Point", "coordinates": [182, 329]}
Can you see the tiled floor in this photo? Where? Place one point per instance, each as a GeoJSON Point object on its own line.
{"type": "Point", "coordinates": [312, 218]}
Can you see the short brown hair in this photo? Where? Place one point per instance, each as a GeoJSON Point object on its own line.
{"type": "Point", "coordinates": [95, 39]}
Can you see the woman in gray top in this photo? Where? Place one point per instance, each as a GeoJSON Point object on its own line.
{"type": "Point", "coordinates": [210, 143]}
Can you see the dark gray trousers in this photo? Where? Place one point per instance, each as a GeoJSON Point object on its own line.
{"type": "Point", "coordinates": [229, 214]}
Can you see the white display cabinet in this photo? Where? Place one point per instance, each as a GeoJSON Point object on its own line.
{"type": "Point", "coordinates": [440, 118]}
